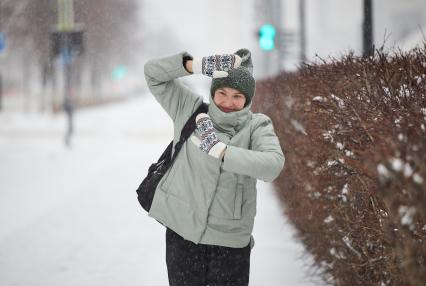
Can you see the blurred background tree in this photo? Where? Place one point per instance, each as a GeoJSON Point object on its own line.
{"type": "Point", "coordinates": [111, 39]}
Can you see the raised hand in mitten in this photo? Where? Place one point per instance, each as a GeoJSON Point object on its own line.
{"type": "Point", "coordinates": [209, 141]}
{"type": "Point", "coordinates": [216, 65]}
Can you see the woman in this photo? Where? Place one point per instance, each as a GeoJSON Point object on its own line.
{"type": "Point", "coordinates": [207, 199]}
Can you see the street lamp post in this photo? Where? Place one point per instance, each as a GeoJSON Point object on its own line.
{"type": "Point", "coordinates": [67, 43]}
{"type": "Point", "coordinates": [2, 40]}
{"type": "Point", "coordinates": [302, 31]}
{"type": "Point", "coordinates": [368, 48]}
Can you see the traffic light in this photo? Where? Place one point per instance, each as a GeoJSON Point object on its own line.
{"type": "Point", "coordinates": [119, 72]}
{"type": "Point", "coordinates": [72, 40]}
{"type": "Point", "coordinates": [267, 37]}
{"type": "Point", "coordinates": [2, 42]}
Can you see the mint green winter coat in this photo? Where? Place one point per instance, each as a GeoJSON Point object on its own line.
{"type": "Point", "coordinates": [200, 197]}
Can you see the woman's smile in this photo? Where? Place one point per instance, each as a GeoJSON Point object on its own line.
{"type": "Point", "coordinates": [229, 99]}
{"type": "Point", "coordinates": [224, 109]}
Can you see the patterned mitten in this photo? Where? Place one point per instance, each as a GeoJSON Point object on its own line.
{"type": "Point", "coordinates": [209, 141]}
{"type": "Point", "coordinates": [216, 65]}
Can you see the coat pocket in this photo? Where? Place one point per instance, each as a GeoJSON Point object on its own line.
{"type": "Point", "coordinates": [238, 201]}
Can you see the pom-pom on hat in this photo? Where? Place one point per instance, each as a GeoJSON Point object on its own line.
{"type": "Point", "coordinates": [240, 78]}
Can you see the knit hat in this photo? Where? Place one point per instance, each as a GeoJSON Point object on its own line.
{"type": "Point", "coordinates": [240, 78]}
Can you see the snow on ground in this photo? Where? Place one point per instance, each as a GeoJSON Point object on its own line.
{"type": "Point", "coordinates": [71, 217]}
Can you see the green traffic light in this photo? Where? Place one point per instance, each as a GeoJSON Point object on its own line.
{"type": "Point", "coordinates": [119, 72]}
{"type": "Point", "coordinates": [267, 30]}
{"type": "Point", "coordinates": [266, 37]}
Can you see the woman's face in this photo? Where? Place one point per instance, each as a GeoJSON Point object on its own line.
{"type": "Point", "coordinates": [229, 99]}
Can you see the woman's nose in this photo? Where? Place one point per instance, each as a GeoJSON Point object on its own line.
{"type": "Point", "coordinates": [228, 103]}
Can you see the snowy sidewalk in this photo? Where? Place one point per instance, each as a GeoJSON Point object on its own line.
{"type": "Point", "coordinates": [71, 217]}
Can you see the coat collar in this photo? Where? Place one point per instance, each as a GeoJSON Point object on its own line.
{"type": "Point", "coordinates": [228, 122]}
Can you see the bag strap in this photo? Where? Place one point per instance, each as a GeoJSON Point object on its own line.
{"type": "Point", "coordinates": [188, 128]}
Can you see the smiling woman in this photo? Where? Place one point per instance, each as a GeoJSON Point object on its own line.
{"type": "Point", "coordinates": [229, 99]}
{"type": "Point", "coordinates": [207, 198]}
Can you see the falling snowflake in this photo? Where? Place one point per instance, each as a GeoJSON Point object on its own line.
{"type": "Point", "coordinates": [339, 101]}
{"type": "Point", "coordinates": [408, 171]}
{"type": "Point", "coordinates": [328, 135]}
{"type": "Point", "coordinates": [387, 91]}
{"type": "Point", "coordinates": [319, 99]}
{"type": "Point", "coordinates": [383, 171]}
{"type": "Point", "coordinates": [397, 164]}
{"type": "Point", "coordinates": [328, 219]}
{"type": "Point", "coordinates": [348, 243]}
{"type": "Point", "coordinates": [404, 91]}
{"type": "Point", "coordinates": [336, 254]}
{"type": "Point", "coordinates": [406, 214]}
{"type": "Point", "coordinates": [298, 126]}
{"type": "Point", "coordinates": [417, 179]}
{"type": "Point", "coordinates": [344, 193]}
{"type": "Point", "coordinates": [419, 79]}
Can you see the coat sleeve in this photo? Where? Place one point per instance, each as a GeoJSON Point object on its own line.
{"type": "Point", "coordinates": [264, 161]}
{"type": "Point", "coordinates": [161, 76]}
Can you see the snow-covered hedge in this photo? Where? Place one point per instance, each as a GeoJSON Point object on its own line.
{"type": "Point", "coordinates": [354, 134]}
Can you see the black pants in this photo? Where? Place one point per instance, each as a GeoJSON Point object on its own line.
{"type": "Point", "coordinates": [201, 264]}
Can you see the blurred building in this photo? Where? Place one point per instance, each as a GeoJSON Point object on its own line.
{"type": "Point", "coordinates": [334, 27]}
{"type": "Point", "coordinates": [402, 22]}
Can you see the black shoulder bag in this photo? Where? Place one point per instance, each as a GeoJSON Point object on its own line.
{"type": "Point", "coordinates": [156, 171]}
